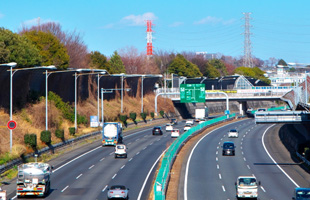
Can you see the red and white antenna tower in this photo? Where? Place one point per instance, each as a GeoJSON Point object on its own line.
{"type": "Point", "coordinates": [149, 45]}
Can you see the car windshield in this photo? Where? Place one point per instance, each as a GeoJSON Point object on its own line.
{"type": "Point", "coordinates": [118, 187]}
{"type": "Point", "coordinates": [247, 181]}
{"type": "Point", "coordinates": [233, 130]}
{"type": "Point", "coordinates": [120, 147]}
{"type": "Point", "coordinates": [228, 146]}
{"type": "Point", "coordinates": [303, 194]}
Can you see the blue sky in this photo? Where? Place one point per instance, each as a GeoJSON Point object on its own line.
{"type": "Point", "coordinates": [281, 28]}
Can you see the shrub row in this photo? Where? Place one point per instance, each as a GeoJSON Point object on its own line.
{"type": "Point", "coordinates": [46, 137]}
{"type": "Point", "coordinates": [133, 116]}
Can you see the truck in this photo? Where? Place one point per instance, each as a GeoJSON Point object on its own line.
{"type": "Point", "coordinates": [201, 113]}
{"type": "Point", "coordinates": [33, 179]}
{"type": "Point", "coordinates": [247, 187]}
{"type": "Point", "coordinates": [112, 133]}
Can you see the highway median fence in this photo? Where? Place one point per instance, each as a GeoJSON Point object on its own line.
{"type": "Point", "coordinates": [163, 175]}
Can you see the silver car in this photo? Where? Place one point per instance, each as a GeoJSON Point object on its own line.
{"type": "Point", "coordinates": [118, 192]}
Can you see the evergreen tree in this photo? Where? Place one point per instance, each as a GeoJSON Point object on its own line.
{"type": "Point", "coordinates": [116, 64]}
{"type": "Point", "coordinates": [183, 67]}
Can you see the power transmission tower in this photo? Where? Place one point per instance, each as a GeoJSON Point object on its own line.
{"type": "Point", "coordinates": [247, 60]}
{"type": "Point", "coordinates": [149, 31]}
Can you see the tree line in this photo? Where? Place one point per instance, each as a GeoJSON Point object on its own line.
{"type": "Point", "coordinates": [47, 44]}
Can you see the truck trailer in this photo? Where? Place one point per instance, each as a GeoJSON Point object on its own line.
{"type": "Point", "coordinates": [33, 179]}
{"type": "Point", "coordinates": [112, 133]}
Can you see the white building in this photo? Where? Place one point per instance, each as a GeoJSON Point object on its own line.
{"type": "Point", "coordinates": [282, 77]}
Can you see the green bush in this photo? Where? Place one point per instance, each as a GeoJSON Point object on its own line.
{"type": "Point", "coordinates": [46, 137]}
{"type": "Point", "coordinates": [72, 130]}
{"type": "Point", "coordinates": [123, 119]}
{"type": "Point", "coordinates": [31, 140]}
{"type": "Point", "coordinates": [60, 133]}
{"type": "Point", "coordinates": [133, 116]}
{"type": "Point", "coordinates": [161, 113]}
{"type": "Point", "coordinates": [143, 116]}
{"type": "Point", "coordinates": [152, 115]}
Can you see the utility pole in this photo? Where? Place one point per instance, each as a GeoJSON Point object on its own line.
{"type": "Point", "coordinates": [247, 60]}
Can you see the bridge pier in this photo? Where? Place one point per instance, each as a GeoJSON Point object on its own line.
{"type": "Point", "coordinates": [242, 107]}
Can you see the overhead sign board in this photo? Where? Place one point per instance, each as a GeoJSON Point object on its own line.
{"type": "Point", "coordinates": [192, 93]}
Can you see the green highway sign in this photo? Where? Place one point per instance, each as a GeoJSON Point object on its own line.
{"type": "Point", "coordinates": [192, 93]}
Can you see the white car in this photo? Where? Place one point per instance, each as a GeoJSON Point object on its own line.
{"type": "Point", "coordinates": [169, 127]}
{"type": "Point", "coordinates": [120, 151]}
{"type": "Point", "coordinates": [175, 133]}
{"type": "Point", "coordinates": [189, 121]}
{"type": "Point", "coordinates": [187, 127]}
{"type": "Point", "coordinates": [233, 133]}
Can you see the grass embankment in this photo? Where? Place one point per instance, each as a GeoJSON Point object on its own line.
{"type": "Point", "coordinates": [31, 119]}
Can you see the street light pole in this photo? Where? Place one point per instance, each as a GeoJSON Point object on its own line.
{"type": "Point", "coordinates": [142, 77]}
{"type": "Point", "coordinates": [122, 93]}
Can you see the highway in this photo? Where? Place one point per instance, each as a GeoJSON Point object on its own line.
{"type": "Point", "coordinates": [209, 175]}
{"type": "Point", "coordinates": [88, 175]}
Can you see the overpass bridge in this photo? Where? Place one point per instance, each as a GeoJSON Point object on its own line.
{"type": "Point", "coordinates": [242, 96]}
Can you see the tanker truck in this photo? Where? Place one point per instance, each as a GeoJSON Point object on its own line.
{"type": "Point", "coordinates": [112, 133]}
{"type": "Point", "coordinates": [33, 179]}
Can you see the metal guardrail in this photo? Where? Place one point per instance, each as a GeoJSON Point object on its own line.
{"type": "Point", "coordinates": [303, 159]}
{"type": "Point", "coordinates": [19, 161]}
{"type": "Point", "coordinates": [163, 175]}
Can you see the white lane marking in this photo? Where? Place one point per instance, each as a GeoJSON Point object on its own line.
{"type": "Point", "coordinates": [221, 138]}
{"type": "Point", "coordinates": [78, 176]}
{"type": "Point", "coordinates": [220, 176]}
{"type": "Point", "coordinates": [189, 159]}
{"type": "Point", "coordinates": [216, 159]}
{"type": "Point", "coordinates": [144, 148]}
{"type": "Point", "coordinates": [242, 152]}
{"type": "Point", "coordinates": [104, 188]}
{"type": "Point", "coordinates": [217, 152]}
{"type": "Point", "coordinates": [91, 166]}
{"type": "Point", "coordinates": [274, 160]}
{"type": "Point", "coordinates": [137, 139]}
{"type": "Point", "coordinates": [217, 166]}
{"type": "Point", "coordinates": [130, 160]}
{"type": "Point", "coordinates": [158, 139]}
{"type": "Point", "coordinates": [151, 143]}
{"type": "Point", "coordinates": [244, 159]}
{"type": "Point", "coordinates": [219, 143]}
{"type": "Point", "coordinates": [122, 166]}
{"type": "Point", "coordinates": [241, 147]}
{"type": "Point", "coordinates": [114, 176]}
{"type": "Point", "coordinates": [248, 166]}
{"type": "Point", "coordinates": [262, 188]}
{"type": "Point", "coordinates": [138, 153]}
{"type": "Point", "coordinates": [129, 143]}
{"type": "Point", "coordinates": [147, 177]}
{"type": "Point", "coordinates": [111, 153]}
{"type": "Point", "coordinates": [55, 170]}
{"type": "Point", "coordinates": [218, 147]}
{"type": "Point", "coordinates": [101, 159]}
{"type": "Point", "coordinates": [145, 136]}
{"type": "Point", "coordinates": [223, 188]}
{"type": "Point", "coordinates": [241, 142]}
{"type": "Point", "coordinates": [243, 135]}
{"type": "Point", "coordinates": [64, 188]}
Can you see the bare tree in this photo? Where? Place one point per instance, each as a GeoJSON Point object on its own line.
{"type": "Point", "coordinates": [73, 42]}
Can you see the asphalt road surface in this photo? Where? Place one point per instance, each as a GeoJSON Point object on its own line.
{"type": "Point", "coordinates": [211, 176]}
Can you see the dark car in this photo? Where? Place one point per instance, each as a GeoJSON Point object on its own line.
{"type": "Point", "coordinates": [174, 121]}
{"type": "Point", "coordinates": [228, 148]}
{"type": "Point", "coordinates": [157, 130]}
{"type": "Point", "coordinates": [301, 194]}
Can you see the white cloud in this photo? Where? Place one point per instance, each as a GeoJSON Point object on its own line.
{"type": "Point", "coordinates": [36, 21]}
{"type": "Point", "coordinates": [176, 24]}
{"type": "Point", "coordinates": [214, 20]}
{"type": "Point", "coordinates": [209, 20]}
{"type": "Point", "coordinates": [138, 20]}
